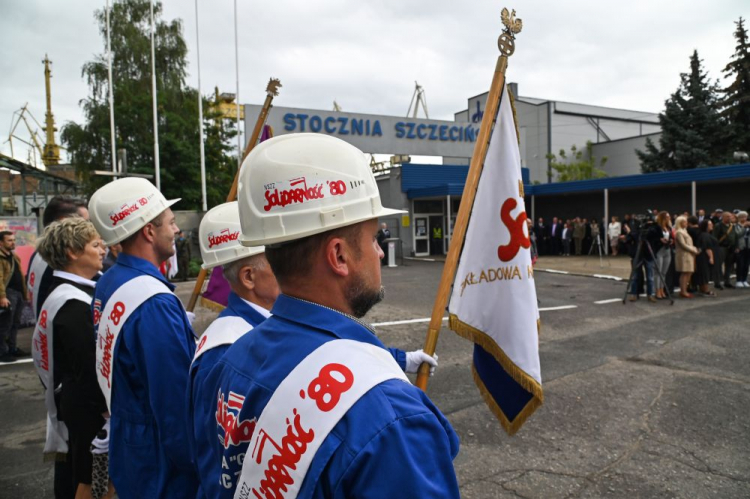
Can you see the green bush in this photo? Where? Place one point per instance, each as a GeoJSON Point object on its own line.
{"type": "Point", "coordinates": [195, 267]}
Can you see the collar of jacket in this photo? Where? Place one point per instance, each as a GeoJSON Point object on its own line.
{"type": "Point", "coordinates": [237, 307]}
{"type": "Point", "coordinates": [316, 316]}
{"type": "Point", "coordinates": [142, 266]}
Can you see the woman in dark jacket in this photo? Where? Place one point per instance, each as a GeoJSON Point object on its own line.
{"type": "Point", "coordinates": [74, 250]}
{"type": "Point", "coordinates": [704, 262]}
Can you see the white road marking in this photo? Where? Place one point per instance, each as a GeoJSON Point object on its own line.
{"type": "Point", "coordinates": [427, 319]}
{"type": "Point", "coordinates": [611, 300]}
{"type": "Point", "coordinates": [21, 361]}
{"type": "Point", "coordinates": [396, 323]}
{"type": "Point", "coordinates": [604, 276]}
{"type": "Point", "coordinates": [553, 271]}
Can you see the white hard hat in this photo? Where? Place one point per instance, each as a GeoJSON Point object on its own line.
{"type": "Point", "coordinates": [219, 237]}
{"type": "Point", "coordinates": [297, 185]}
{"type": "Point", "coordinates": [121, 208]}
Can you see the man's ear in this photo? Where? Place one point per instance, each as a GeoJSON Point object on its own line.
{"type": "Point", "coordinates": [246, 277]}
{"type": "Point", "coordinates": [148, 231]}
{"type": "Point", "coordinates": [336, 252]}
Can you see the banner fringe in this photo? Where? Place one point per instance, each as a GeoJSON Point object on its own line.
{"type": "Point", "coordinates": [519, 376]}
{"type": "Point", "coordinates": [510, 427]}
{"type": "Point", "coordinates": [212, 305]}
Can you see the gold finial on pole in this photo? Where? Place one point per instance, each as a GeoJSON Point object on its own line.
{"type": "Point", "coordinates": [507, 40]}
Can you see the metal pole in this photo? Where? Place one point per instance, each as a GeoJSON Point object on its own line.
{"type": "Point", "coordinates": [200, 113]}
{"type": "Point", "coordinates": [237, 97]}
{"type": "Point", "coordinates": [157, 169]}
{"type": "Point", "coordinates": [533, 208]}
{"type": "Point", "coordinates": [23, 193]}
{"type": "Point", "coordinates": [606, 222]}
{"type": "Point", "coordinates": [448, 233]}
{"type": "Point", "coordinates": [111, 95]}
{"type": "Point", "coordinates": [694, 196]}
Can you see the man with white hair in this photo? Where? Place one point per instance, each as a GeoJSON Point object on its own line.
{"type": "Point", "coordinates": [144, 344]}
{"type": "Point", "coordinates": [325, 408]}
{"type": "Point", "coordinates": [253, 292]}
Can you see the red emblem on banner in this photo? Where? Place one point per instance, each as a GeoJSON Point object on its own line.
{"type": "Point", "coordinates": [507, 252]}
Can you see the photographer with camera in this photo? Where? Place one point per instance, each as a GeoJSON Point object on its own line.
{"type": "Point", "coordinates": [644, 237]}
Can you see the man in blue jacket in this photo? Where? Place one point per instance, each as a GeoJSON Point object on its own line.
{"type": "Point", "coordinates": [351, 431]}
{"type": "Point", "coordinates": [253, 292]}
{"type": "Point", "coordinates": [144, 345]}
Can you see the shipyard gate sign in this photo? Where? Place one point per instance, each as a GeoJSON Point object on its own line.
{"type": "Point", "coordinates": [374, 133]}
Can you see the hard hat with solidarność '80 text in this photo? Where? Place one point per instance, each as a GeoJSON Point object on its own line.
{"type": "Point", "coordinates": [219, 237]}
{"type": "Point", "coordinates": [123, 207]}
{"type": "Point", "coordinates": [296, 185]}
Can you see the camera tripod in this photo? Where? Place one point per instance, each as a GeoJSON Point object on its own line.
{"type": "Point", "coordinates": [598, 243]}
{"type": "Point", "coordinates": [639, 262]}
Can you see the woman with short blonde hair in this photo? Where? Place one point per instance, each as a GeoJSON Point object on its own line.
{"type": "Point", "coordinates": [64, 346]}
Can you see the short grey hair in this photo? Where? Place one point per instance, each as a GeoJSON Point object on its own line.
{"type": "Point", "coordinates": [231, 269]}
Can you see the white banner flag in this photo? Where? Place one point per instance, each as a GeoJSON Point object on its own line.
{"type": "Point", "coordinates": [493, 302]}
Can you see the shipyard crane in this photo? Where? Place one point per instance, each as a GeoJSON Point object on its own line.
{"type": "Point", "coordinates": [417, 98]}
{"type": "Point", "coordinates": [50, 152]}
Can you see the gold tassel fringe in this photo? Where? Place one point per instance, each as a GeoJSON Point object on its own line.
{"type": "Point", "coordinates": [519, 376]}
{"type": "Point", "coordinates": [212, 305]}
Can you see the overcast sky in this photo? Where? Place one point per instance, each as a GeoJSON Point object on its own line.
{"type": "Point", "coordinates": [367, 55]}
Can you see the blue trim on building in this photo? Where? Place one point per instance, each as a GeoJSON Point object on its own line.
{"type": "Point", "coordinates": [421, 181]}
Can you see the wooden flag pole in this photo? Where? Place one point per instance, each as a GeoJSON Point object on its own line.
{"type": "Point", "coordinates": [506, 44]}
{"type": "Point", "coordinates": [271, 90]}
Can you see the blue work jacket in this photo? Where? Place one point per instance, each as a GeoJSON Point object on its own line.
{"type": "Point", "coordinates": [392, 440]}
{"type": "Point", "coordinates": [149, 452]}
{"type": "Point", "coordinates": [203, 403]}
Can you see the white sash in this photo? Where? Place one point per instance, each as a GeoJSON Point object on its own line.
{"type": "Point", "coordinates": [123, 302]}
{"type": "Point", "coordinates": [223, 331]}
{"type": "Point", "coordinates": [304, 409]}
{"type": "Point", "coordinates": [42, 349]}
{"type": "Point", "coordinates": [36, 271]}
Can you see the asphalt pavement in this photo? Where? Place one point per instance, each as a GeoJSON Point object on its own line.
{"type": "Point", "coordinates": [641, 399]}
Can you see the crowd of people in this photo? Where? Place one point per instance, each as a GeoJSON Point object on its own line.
{"type": "Point", "coordinates": [668, 251]}
{"type": "Point", "coordinates": [137, 403]}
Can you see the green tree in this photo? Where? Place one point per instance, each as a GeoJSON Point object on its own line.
{"type": "Point", "coordinates": [219, 134]}
{"type": "Point", "coordinates": [177, 105]}
{"type": "Point", "coordinates": [578, 166]}
{"type": "Point", "coordinates": [735, 104]}
{"type": "Point", "coordinates": [691, 128]}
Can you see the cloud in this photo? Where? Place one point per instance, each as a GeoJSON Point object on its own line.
{"type": "Point", "coordinates": [367, 55]}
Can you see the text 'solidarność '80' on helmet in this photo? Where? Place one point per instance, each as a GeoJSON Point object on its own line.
{"type": "Point", "coordinates": [219, 237]}
{"type": "Point", "coordinates": [296, 185]}
{"type": "Point", "coordinates": [123, 207]}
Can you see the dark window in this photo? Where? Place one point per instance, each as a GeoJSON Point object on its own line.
{"type": "Point", "coordinates": [428, 206]}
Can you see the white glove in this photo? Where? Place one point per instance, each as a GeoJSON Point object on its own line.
{"type": "Point", "coordinates": [101, 445]}
{"type": "Point", "coordinates": [414, 360]}
{"type": "Point", "coordinates": [191, 317]}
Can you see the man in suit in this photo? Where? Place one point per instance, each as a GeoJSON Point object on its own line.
{"type": "Point", "coordinates": [579, 232]}
{"type": "Point", "coordinates": [383, 234]}
{"type": "Point", "coordinates": [701, 215]}
{"type": "Point", "coordinates": [542, 239]}
{"type": "Point", "coordinates": [555, 233]}
{"type": "Point", "coordinates": [566, 238]}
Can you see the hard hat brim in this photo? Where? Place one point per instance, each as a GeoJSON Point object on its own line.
{"type": "Point", "coordinates": [278, 241]}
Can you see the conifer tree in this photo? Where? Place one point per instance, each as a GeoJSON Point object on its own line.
{"type": "Point", "coordinates": [735, 101]}
{"type": "Point", "coordinates": [691, 126]}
